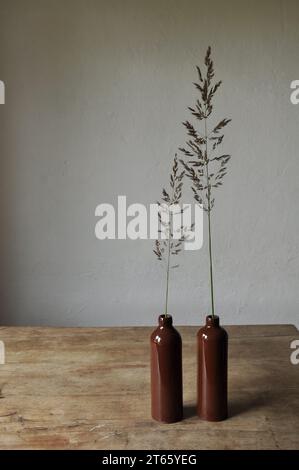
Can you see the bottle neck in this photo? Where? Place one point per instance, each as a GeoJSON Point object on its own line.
{"type": "Point", "coordinates": [165, 320]}
{"type": "Point", "coordinates": [212, 321]}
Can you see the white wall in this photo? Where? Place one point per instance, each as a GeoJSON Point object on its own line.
{"type": "Point", "coordinates": [95, 94]}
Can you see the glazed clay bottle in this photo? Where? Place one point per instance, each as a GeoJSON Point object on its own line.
{"type": "Point", "coordinates": [166, 372]}
{"type": "Point", "coordinates": [212, 346]}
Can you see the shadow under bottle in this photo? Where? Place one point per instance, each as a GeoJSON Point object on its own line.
{"type": "Point", "coordinates": [166, 372]}
{"type": "Point", "coordinates": [212, 348]}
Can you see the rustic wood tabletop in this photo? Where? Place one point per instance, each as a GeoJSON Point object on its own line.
{"type": "Point", "coordinates": [88, 388]}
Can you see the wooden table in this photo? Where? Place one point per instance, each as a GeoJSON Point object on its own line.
{"type": "Point", "coordinates": [88, 388]}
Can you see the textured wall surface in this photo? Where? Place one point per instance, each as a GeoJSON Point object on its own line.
{"type": "Point", "coordinates": [95, 95]}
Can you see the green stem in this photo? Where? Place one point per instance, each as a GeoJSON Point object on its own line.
{"type": "Point", "coordinates": [211, 265]}
{"type": "Point", "coordinates": [209, 223]}
{"type": "Point", "coordinates": [168, 257]}
{"type": "Point", "coordinates": [167, 275]}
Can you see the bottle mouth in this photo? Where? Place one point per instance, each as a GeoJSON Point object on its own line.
{"type": "Point", "coordinates": [165, 320]}
{"type": "Point", "coordinates": [212, 320]}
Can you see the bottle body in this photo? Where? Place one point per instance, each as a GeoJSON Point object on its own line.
{"type": "Point", "coordinates": [212, 350]}
{"type": "Point", "coordinates": [166, 372]}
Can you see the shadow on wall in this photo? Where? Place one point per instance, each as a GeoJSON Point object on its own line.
{"type": "Point", "coordinates": [8, 206]}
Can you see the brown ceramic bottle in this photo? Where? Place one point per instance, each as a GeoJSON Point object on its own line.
{"type": "Point", "coordinates": [166, 372]}
{"type": "Point", "coordinates": [212, 346]}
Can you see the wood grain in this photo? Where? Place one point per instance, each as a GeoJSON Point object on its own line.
{"type": "Point", "coordinates": [88, 388]}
